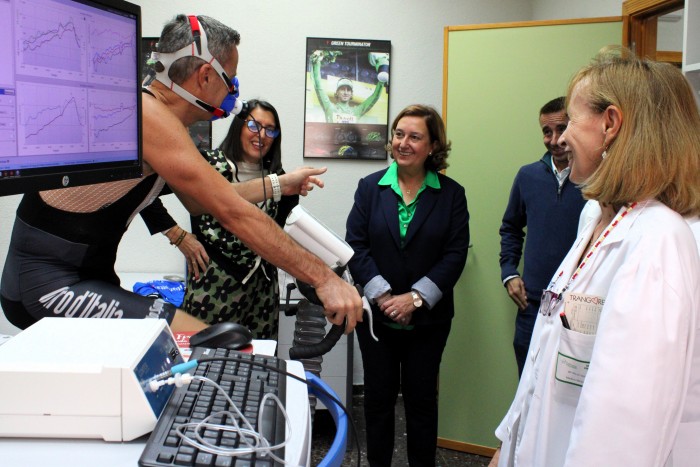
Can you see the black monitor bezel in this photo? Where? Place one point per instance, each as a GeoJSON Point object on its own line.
{"type": "Point", "coordinates": [49, 178]}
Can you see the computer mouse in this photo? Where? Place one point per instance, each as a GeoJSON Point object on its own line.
{"type": "Point", "coordinates": [227, 335]}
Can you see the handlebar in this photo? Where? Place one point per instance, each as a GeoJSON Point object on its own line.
{"type": "Point", "coordinates": [331, 338]}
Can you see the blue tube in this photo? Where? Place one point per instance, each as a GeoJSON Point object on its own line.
{"type": "Point", "coordinates": [336, 453]}
{"type": "Point", "coordinates": [183, 367]}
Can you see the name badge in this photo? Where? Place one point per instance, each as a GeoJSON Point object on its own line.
{"type": "Point", "coordinates": [571, 370]}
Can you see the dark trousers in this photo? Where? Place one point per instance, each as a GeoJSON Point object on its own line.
{"type": "Point", "coordinates": [406, 360]}
{"type": "Point", "coordinates": [524, 323]}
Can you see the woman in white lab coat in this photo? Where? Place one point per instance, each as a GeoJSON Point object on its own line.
{"type": "Point", "coordinates": [613, 370]}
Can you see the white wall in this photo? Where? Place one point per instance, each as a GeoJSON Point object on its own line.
{"type": "Point", "coordinates": [669, 34]}
{"type": "Point", "coordinates": [569, 9]}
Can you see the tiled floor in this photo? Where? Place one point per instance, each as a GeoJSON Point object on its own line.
{"type": "Point", "coordinates": [324, 431]}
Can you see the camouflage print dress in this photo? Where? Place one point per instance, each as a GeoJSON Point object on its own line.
{"type": "Point", "coordinates": [238, 285]}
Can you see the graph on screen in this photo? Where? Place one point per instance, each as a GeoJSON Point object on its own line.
{"type": "Point", "coordinates": [112, 54]}
{"type": "Point", "coordinates": [112, 117]}
{"type": "Point", "coordinates": [51, 40]}
{"type": "Point", "coordinates": [94, 56]}
{"type": "Point", "coordinates": [53, 120]}
{"type": "Point", "coordinates": [70, 94]}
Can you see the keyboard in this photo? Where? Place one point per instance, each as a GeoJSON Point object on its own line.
{"type": "Point", "coordinates": [246, 384]}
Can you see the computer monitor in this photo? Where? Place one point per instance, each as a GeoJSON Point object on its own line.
{"type": "Point", "coordinates": [70, 95]}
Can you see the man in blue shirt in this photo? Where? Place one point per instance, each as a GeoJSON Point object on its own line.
{"type": "Point", "coordinates": [548, 204]}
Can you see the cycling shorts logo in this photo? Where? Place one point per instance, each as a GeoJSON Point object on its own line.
{"type": "Point", "coordinates": [64, 302]}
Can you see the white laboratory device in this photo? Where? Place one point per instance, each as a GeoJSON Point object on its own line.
{"type": "Point", "coordinates": [313, 235]}
{"type": "Point", "coordinates": [85, 378]}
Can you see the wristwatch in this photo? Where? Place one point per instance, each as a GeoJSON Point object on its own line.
{"type": "Point", "coordinates": [417, 300]}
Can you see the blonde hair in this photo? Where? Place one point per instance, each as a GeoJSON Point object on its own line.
{"type": "Point", "coordinates": [656, 153]}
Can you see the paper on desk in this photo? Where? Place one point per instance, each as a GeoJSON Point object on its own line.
{"type": "Point", "coordinates": [583, 312]}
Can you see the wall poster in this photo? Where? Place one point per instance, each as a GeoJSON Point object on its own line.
{"type": "Point", "coordinates": [199, 131]}
{"type": "Point", "coordinates": [347, 98]}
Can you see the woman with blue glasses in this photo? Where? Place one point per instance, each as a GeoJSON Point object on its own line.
{"type": "Point", "coordinates": [237, 284]}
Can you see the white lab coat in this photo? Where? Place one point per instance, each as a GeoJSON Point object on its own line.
{"type": "Point", "coordinates": [640, 402]}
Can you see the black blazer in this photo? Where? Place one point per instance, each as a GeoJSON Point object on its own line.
{"type": "Point", "coordinates": [436, 242]}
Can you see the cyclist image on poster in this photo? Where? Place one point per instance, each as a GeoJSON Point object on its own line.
{"type": "Point", "coordinates": [347, 98]}
{"type": "Point", "coordinates": [343, 110]}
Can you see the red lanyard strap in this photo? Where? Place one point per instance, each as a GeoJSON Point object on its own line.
{"type": "Point", "coordinates": [597, 243]}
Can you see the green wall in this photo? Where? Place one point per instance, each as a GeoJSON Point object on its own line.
{"type": "Point", "coordinates": [497, 80]}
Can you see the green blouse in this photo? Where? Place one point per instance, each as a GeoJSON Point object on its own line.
{"type": "Point", "coordinates": [406, 212]}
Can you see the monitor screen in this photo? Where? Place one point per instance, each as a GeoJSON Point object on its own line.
{"type": "Point", "coordinates": [70, 94]}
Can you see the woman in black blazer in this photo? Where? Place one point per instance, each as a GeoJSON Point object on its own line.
{"type": "Point", "coordinates": [409, 228]}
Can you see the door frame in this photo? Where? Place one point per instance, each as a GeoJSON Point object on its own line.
{"type": "Point", "coordinates": [639, 27]}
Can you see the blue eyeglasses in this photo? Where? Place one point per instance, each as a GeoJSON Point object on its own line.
{"type": "Point", "coordinates": [256, 126]}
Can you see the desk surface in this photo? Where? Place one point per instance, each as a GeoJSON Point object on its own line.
{"type": "Point", "coordinates": [43, 452]}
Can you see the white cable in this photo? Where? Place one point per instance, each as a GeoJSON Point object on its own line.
{"type": "Point", "coordinates": [254, 441]}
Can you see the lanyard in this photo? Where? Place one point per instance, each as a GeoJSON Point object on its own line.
{"type": "Point", "coordinates": [551, 298]}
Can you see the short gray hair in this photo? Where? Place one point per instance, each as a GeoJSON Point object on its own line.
{"type": "Point", "coordinates": [177, 34]}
